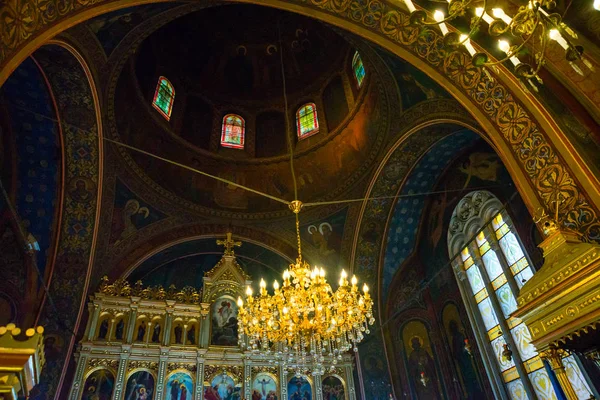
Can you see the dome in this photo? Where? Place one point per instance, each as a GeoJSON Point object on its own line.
{"type": "Point", "coordinates": [213, 100]}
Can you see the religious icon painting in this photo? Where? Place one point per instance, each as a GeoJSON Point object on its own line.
{"type": "Point", "coordinates": [180, 386]}
{"type": "Point", "coordinates": [299, 388]}
{"type": "Point", "coordinates": [222, 387]}
{"type": "Point", "coordinates": [224, 326]}
{"type": "Point", "coordinates": [140, 386]}
{"type": "Point", "coordinates": [99, 385]}
{"type": "Point", "coordinates": [421, 365]}
{"type": "Point", "coordinates": [333, 388]}
{"type": "Point", "coordinates": [264, 387]}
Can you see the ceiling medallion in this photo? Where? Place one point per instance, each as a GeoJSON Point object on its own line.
{"type": "Point", "coordinates": [534, 25]}
{"type": "Point", "coordinates": [304, 324]}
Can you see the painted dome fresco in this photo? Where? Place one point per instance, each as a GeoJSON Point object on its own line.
{"type": "Point", "coordinates": [214, 100]}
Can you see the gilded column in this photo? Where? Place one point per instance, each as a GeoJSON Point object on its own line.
{"type": "Point", "coordinates": [120, 378]}
{"type": "Point", "coordinates": [199, 378]}
{"type": "Point", "coordinates": [350, 383]}
{"type": "Point", "coordinates": [283, 383]}
{"type": "Point", "coordinates": [247, 379]}
{"type": "Point", "coordinates": [94, 311]}
{"type": "Point", "coordinates": [78, 379]}
{"type": "Point", "coordinates": [162, 370]}
{"type": "Point", "coordinates": [318, 389]}
{"type": "Point", "coordinates": [168, 322]}
{"type": "Point", "coordinates": [132, 320]}
{"type": "Point", "coordinates": [554, 357]}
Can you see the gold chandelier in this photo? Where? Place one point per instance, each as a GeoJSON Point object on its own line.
{"type": "Point", "coordinates": [532, 27]}
{"type": "Point", "coordinates": [304, 323]}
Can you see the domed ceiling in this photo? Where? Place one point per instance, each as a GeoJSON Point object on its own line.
{"type": "Point", "coordinates": [226, 60]}
{"type": "Point", "coordinates": [231, 54]}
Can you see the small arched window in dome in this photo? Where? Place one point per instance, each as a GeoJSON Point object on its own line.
{"type": "Point", "coordinates": [307, 122]}
{"type": "Point", "coordinates": [233, 132]}
{"type": "Point", "coordinates": [358, 68]}
{"type": "Point", "coordinates": [164, 97]}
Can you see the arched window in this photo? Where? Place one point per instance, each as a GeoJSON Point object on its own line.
{"type": "Point", "coordinates": [307, 122]}
{"type": "Point", "coordinates": [358, 68]}
{"type": "Point", "coordinates": [491, 266]}
{"type": "Point", "coordinates": [233, 131]}
{"type": "Point", "coordinates": [164, 97]}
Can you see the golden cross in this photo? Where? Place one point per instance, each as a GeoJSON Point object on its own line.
{"type": "Point", "coordinates": [229, 244]}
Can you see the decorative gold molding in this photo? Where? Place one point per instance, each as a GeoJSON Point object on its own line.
{"type": "Point", "coordinates": [256, 369]}
{"type": "Point", "coordinates": [563, 298]}
{"type": "Point", "coordinates": [235, 371]}
{"type": "Point", "coordinates": [172, 366]}
{"type": "Point", "coordinates": [151, 365]}
{"type": "Point", "coordinates": [122, 288]}
{"type": "Point", "coordinates": [109, 363]}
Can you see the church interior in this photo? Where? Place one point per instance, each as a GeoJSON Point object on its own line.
{"type": "Point", "coordinates": [299, 199]}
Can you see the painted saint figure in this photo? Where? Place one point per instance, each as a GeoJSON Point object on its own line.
{"type": "Point", "coordinates": [103, 329]}
{"type": "Point", "coordinates": [191, 335]}
{"type": "Point", "coordinates": [422, 371]}
{"type": "Point", "coordinates": [119, 330]}
{"type": "Point", "coordinates": [175, 390]}
{"type": "Point", "coordinates": [178, 332]}
{"type": "Point", "coordinates": [156, 333]}
{"type": "Point", "coordinates": [141, 332]}
{"type": "Point", "coordinates": [183, 395]}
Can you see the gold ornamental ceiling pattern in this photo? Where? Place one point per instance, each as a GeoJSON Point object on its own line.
{"type": "Point", "coordinates": [548, 174]}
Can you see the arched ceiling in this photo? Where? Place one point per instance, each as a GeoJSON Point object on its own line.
{"type": "Point", "coordinates": [184, 264]}
{"type": "Point", "coordinates": [327, 164]}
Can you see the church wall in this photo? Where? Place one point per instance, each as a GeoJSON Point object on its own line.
{"type": "Point", "coordinates": [426, 300]}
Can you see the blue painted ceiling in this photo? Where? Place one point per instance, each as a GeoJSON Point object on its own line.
{"type": "Point", "coordinates": [38, 153]}
{"type": "Point", "coordinates": [407, 213]}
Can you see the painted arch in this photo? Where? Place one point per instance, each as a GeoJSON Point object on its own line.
{"type": "Point", "coordinates": [534, 149]}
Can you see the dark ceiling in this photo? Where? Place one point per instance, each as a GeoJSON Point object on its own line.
{"type": "Point", "coordinates": [231, 53]}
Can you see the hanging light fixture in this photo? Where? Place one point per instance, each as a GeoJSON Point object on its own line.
{"type": "Point", "coordinates": [304, 323]}
{"type": "Point", "coordinates": [533, 26]}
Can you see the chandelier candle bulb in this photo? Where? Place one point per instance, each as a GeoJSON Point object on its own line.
{"type": "Point", "coordinates": [439, 17]}
{"type": "Point", "coordinates": [597, 4]}
{"type": "Point", "coordinates": [480, 12]}
{"type": "Point", "coordinates": [555, 35]}
{"type": "Point", "coordinates": [505, 47]}
{"type": "Point", "coordinates": [467, 43]}
{"type": "Point", "coordinates": [354, 280]}
{"type": "Point", "coordinates": [410, 5]}
{"type": "Point", "coordinates": [500, 14]}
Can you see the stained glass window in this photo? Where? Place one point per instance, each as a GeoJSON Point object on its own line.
{"type": "Point", "coordinates": [164, 97]}
{"type": "Point", "coordinates": [307, 122]}
{"type": "Point", "coordinates": [233, 132]}
{"type": "Point", "coordinates": [495, 273]}
{"type": "Point", "coordinates": [358, 68]}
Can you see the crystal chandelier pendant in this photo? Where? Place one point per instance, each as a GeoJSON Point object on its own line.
{"type": "Point", "coordinates": [304, 323]}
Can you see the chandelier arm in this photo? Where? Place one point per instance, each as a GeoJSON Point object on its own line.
{"type": "Point", "coordinates": [514, 51]}
{"type": "Point", "coordinates": [474, 25]}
